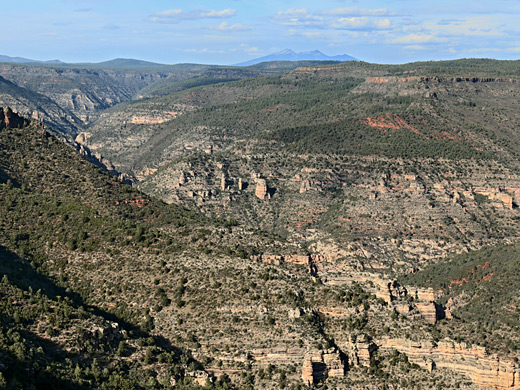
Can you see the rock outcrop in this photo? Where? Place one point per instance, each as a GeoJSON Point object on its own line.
{"type": "Point", "coordinates": [182, 179]}
{"type": "Point", "coordinates": [428, 311]}
{"type": "Point", "coordinates": [360, 351]}
{"type": "Point", "coordinates": [10, 119]}
{"type": "Point", "coordinates": [305, 186]}
{"type": "Point", "coordinates": [261, 189]}
{"type": "Point", "coordinates": [320, 365]}
{"type": "Point", "coordinates": [485, 370]}
{"type": "Point", "coordinates": [223, 182]}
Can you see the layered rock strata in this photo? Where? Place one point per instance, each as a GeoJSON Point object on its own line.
{"type": "Point", "coordinates": [320, 365]}
{"type": "Point", "coordinates": [485, 370]}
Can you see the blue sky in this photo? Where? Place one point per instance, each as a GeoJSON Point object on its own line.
{"type": "Point", "coordinates": [231, 31]}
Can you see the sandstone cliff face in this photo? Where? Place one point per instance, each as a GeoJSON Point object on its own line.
{"type": "Point", "coordinates": [360, 351]}
{"type": "Point", "coordinates": [261, 189]}
{"type": "Point", "coordinates": [320, 365]}
{"type": "Point", "coordinates": [487, 371]}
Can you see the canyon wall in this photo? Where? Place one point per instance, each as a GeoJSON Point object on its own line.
{"type": "Point", "coordinates": [485, 370]}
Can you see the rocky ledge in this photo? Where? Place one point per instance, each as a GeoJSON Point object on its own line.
{"type": "Point", "coordinates": [485, 370]}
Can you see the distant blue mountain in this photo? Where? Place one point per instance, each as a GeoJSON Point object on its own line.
{"type": "Point", "coordinates": [21, 60]}
{"type": "Point", "coordinates": [289, 55]}
{"type": "Point", "coordinates": [127, 62]}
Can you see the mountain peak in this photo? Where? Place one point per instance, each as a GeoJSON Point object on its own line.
{"type": "Point", "coordinates": [290, 55]}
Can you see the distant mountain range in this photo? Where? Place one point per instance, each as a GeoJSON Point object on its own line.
{"type": "Point", "coordinates": [289, 55]}
{"type": "Point", "coordinates": [116, 62]}
{"type": "Point", "coordinates": [21, 60]}
{"type": "Point", "coordinates": [284, 55]}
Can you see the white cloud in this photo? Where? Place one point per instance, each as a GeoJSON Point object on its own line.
{"type": "Point", "coordinates": [251, 50]}
{"type": "Point", "coordinates": [414, 47]}
{"type": "Point", "coordinates": [363, 23]}
{"type": "Point", "coordinates": [294, 11]}
{"type": "Point", "coordinates": [224, 26]}
{"type": "Point", "coordinates": [170, 12]}
{"type": "Point", "coordinates": [418, 38]}
{"type": "Point", "coordinates": [351, 18]}
{"type": "Point", "coordinates": [225, 13]}
{"type": "Point", "coordinates": [179, 15]}
{"type": "Point", "coordinates": [355, 11]}
{"type": "Point", "coordinates": [473, 26]}
{"type": "Point", "coordinates": [204, 51]}
{"type": "Point", "coordinates": [314, 34]}
{"type": "Point", "coordinates": [299, 17]}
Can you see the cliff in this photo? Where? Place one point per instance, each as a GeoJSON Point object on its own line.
{"type": "Point", "coordinates": [485, 370]}
{"type": "Point", "coordinates": [318, 366]}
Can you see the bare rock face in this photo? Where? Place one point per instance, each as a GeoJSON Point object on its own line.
{"type": "Point", "coordinates": [428, 311]}
{"type": "Point", "coordinates": [506, 199]}
{"type": "Point", "coordinates": [295, 313]}
{"type": "Point", "coordinates": [82, 138]}
{"type": "Point", "coordinates": [12, 120]}
{"type": "Point", "coordinates": [502, 197]}
{"type": "Point", "coordinates": [200, 377]}
{"type": "Point", "coordinates": [320, 365]}
{"type": "Point", "coordinates": [305, 186]}
{"type": "Point", "coordinates": [308, 371]}
{"type": "Point", "coordinates": [223, 182]}
{"type": "Point", "coordinates": [182, 179]}
{"type": "Point", "coordinates": [424, 301]}
{"type": "Point", "coordinates": [261, 189]}
{"type": "Point", "coordinates": [360, 351]}
{"type": "Point", "coordinates": [486, 371]}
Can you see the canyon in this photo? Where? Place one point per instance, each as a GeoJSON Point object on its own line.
{"type": "Point", "coordinates": [350, 225]}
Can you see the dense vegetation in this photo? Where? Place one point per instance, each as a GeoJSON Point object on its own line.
{"type": "Point", "coordinates": [351, 136]}
{"type": "Point", "coordinates": [481, 290]}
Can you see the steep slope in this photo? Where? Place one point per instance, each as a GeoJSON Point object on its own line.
{"type": "Point", "coordinates": [143, 276]}
{"type": "Point", "coordinates": [82, 91]}
{"type": "Point", "coordinates": [50, 335]}
{"type": "Point", "coordinates": [70, 96]}
{"type": "Point", "coordinates": [379, 167]}
{"type": "Point", "coordinates": [480, 292]}
{"type": "Point", "coordinates": [37, 106]}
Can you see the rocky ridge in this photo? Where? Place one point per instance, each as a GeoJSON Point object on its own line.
{"type": "Point", "coordinates": [12, 120]}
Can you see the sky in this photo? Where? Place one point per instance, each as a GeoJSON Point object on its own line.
{"type": "Point", "coordinates": [232, 31]}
